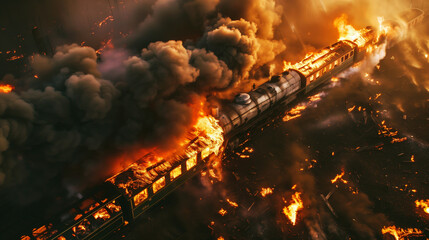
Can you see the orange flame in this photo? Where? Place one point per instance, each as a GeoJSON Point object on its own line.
{"type": "Point", "coordinates": [102, 214]}
{"type": "Point", "coordinates": [6, 88]}
{"type": "Point", "coordinates": [348, 32]}
{"type": "Point", "coordinates": [424, 204]}
{"type": "Point", "coordinates": [291, 211]}
{"type": "Point", "coordinates": [233, 204]}
{"type": "Point", "coordinates": [222, 212]}
{"type": "Point", "coordinates": [266, 191]}
{"type": "Point", "coordinates": [339, 177]}
{"type": "Point", "coordinates": [399, 233]}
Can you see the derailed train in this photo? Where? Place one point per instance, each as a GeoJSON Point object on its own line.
{"type": "Point", "coordinates": [127, 195]}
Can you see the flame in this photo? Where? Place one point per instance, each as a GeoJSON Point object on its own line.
{"type": "Point", "coordinates": [6, 88]}
{"type": "Point", "coordinates": [104, 46]}
{"type": "Point", "coordinates": [399, 233]}
{"type": "Point", "coordinates": [104, 21]}
{"type": "Point", "coordinates": [102, 214]}
{"type": "Point", "coordinates": [222, 212]}
{"type": "Point", "coordinates": [348, 32]}
{"type": "Point", "coordinates": [424, 204]}
{"type": "Point", "coordinates": [16, 57]}
{"type": "Point", "coordinates": [266, 191]}
{"type": "Point", "coordinates": [291, 211]}
{"type": "Point", "coordinates": [339, 177]}
{"type": "Point", "coordinates": [233, 204]}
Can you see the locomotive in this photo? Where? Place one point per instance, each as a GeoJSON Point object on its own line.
{"type": "Point", "coordinates": [130, 193]}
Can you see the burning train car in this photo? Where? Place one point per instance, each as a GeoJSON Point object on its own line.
{"type": "Point", "coordinates": [131, 192]}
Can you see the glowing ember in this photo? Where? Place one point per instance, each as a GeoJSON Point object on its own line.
{"type": "Point", "coordinates": [399, 233]}
{"type": "Point", "coordinates": [266, 191]}
{"type": "Point", "coordinates": [412, 158]}
{"type": "Point", "coordinates": [222, 212]}
{"type": "Point", "coordinates": [13, 58]}
{"type": "Point", "coordinates": [233, 204]}
{"type": "Point", "coordinates": [348, 32]}
{"type": "Point", "coordinates": [102, 214]}
{"type": "Point", "coordinates": [398, 140]}
{"type": "Point", "coordinates": [220, 238]}
{"type": "Point", "coordinates": [335, 79]}
{"type": "Point", "coordinates": [339, 177]}
{"type": "Point", "coordinates": [6, 88]}
{"type": "Point", "coordinates": [424, 204]}
{"type": "Point", "coordinates": [108, 18]}
{"type": "Point", "coordinates": [104, 46]}
{"type": "Point", "coordinates": [291, 211]}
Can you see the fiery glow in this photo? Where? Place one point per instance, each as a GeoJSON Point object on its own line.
{"type": "Point", "coordinates": [102, 214]}
{"type": "Point", "coordinates": [13, 58]}
{"type": "Point", "coordinates": [291, 211]}
{"type": "Point", "coordinates": [296, 111]}
{"type": "Point", "coordinates": [339, 177]}
{"type": "Point", "coordinates": [424, 204]}
{"type": "Point", "coordinates": [113, 207]}
{"type": "Point", "coordinates": [348, 32]}
{"type": "Point", "coordinates": [399, 233]}
{"type": "Point", "coordinates": [6, 88]}
{"type": "Point", "coordinates": [104, 46]}
{"type": "Point", "coordinates": [266, 191]}
{"type": "Point", "coordinates": [222, 212]}
{"type": "Point", "coordinates": [233, 204]}
{"type": "Point", "coordinates": [104, 21]}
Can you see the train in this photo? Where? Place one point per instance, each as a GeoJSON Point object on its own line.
{"type": "Point", "coordinates": [130, 193]}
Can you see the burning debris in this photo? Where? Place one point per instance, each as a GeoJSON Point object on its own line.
{"type": "Point", "coordinates": [423, 204]}
{"type": "Point", "coordinates": [291, 211]}
{"type": "Point", "coordinates": [400, 233]}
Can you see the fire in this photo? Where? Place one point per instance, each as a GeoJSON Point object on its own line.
{"type": "Point", "coordinates": [399, 233]}
{"type": "Point", "coordinates": [296, 111]}
{"type": "Point", "coordinates": [266, 191]}
{"type": "Point", "coordinates": [104, 46]}
{"type": "Point", "coordinates": [209, 126]}
{"type": "Point", "coordinates": [348, 32]}
{"type": "Point", "coordinates": [104, 21]}
{"type": "Point", "coordinates": [102, 214]}
{"type": "Point", "coordinates": [222, 212]}
{"type": "Point", "coordinates": [424, 204]}
{"type": "Point", "coordinates": [233, 204]}
{"type": "Point", "coordinates": [13, 58]}
{"type": "Point", "coordinates": [291, 211]}
{"type": "Point", "coordinates": [339, 177]}
{"type": "Point", "coordinates": [6, 88]}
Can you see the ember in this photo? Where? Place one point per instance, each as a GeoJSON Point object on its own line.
{"type": "Point", "coordinates": [423, 204]}
{"type": "Point", "coordinates": [266, 191]}
{"type": "Point", "coordinates": [339, 177]}
{"type": "Point", "coordinates": [399, 233]}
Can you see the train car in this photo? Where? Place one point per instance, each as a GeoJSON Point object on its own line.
{"type": "Point", "coordinates": [93, 217]}
{"type": "Point", "coordinates": [143, 186]}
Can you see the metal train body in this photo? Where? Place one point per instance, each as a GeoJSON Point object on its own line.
{"type": "Point", "coordinates": [88, 219]}
{"type": "Point", "coordinates": [248, 107]}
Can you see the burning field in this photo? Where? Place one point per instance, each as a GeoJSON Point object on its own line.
{"type": "Point", "coordinates": [128, 95]}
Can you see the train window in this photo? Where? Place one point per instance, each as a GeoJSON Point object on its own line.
{"type": "Point", "coordinates": [317, 74]}
{"type": "Point", "coordinates": [347, 56]}
{"type": "Point", "coordinates": [140, 197]}
{"type": "Point", "coordinates": [158, 184]}
{"type": "Point", "coordinates": [192, 161]}
{"type": "Point", "coordinates": [311, 78]}
{"type": "Point", "coordinates": [351, 53]}
{"type": "Point", "coordinates": [342, 59]}
{"type": "Point", "coordinates": [113, 207]}
{"type": "Point", "coordinates": [205, 153]}
{"type": "Point", "coordinates": [101, 215]}
{"type": "Point", "coordinates": [175, 173]}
